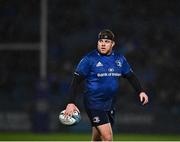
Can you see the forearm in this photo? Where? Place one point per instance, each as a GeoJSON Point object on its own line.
{"type": "Point", "coordinates": [133, 80]}
{"type": "Point", "coordinates": [73, 90]}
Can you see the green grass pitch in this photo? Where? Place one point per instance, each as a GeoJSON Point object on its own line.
{"type": "Point", "coordinates": [6, 136]}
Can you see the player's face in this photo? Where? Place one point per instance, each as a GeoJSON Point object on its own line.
{"type": "Point", "coordinates": [105, 46]}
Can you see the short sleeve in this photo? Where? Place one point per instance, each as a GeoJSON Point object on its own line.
{"type": "Point", "coordinates": [126, 68]}
{"type": "Point", "coordinates": [83, 67]}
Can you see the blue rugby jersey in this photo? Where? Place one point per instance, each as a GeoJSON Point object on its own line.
{"type": "Point", "coordinates": [102, 73]}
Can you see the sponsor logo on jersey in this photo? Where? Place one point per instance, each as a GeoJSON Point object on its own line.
{"type": "Point", "coordinates": [110, 69]}
{"type": "Point", "coordinates": [99, 64]}
{"type": "Point", "coordinates": [96, 119]}
{"type": "Point", "coordinates": [108, 74]}
{"type": "Point", "coordinates": [118, 63]}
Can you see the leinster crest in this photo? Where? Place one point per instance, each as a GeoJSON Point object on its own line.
{"type": "Point", "coordinates": [118, 63]}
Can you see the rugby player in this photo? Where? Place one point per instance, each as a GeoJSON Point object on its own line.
{"type": "Point", "coordinates": [101, 69]}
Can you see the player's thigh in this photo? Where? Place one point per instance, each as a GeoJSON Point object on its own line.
{"type": "Point", "coordinates": [101, 120]}
{"type": "Point", "coordinates": [105, 131]}
{"type": "Point", "coordinates": [96, 136]}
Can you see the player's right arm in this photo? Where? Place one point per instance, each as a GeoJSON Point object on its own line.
{"type": "Point", "coordinates": [71, 107]}
{"type": "Point", "coordinates": [80, 74]}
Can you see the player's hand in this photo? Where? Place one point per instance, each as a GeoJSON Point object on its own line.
{"type": "Point", "coordinates": [143, 98]}
{"type": "Point", "coordinates": [70, 108]}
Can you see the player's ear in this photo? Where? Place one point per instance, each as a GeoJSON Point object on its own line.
{"type": "Point", "coordinates": [113, 43]}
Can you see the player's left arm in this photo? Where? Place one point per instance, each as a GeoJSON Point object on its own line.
{"type": "Point", "coordinates": [133, 80]}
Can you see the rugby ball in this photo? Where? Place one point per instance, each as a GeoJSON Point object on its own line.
{"type": "Point", "coordinates": [70, 120]}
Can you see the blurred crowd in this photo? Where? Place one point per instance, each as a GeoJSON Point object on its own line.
{"type": "Point", "coordinates": [147, 33]}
